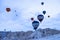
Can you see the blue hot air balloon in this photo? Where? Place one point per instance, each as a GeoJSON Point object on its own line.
{"type": "Point", "coordinates": [35, 24]}
{"type": "Point", "coordinates": [40, 17]}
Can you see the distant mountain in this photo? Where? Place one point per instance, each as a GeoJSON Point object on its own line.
{"type": "Point", "coordinates": [49, 31]}
{"type": "Point", "coordinates": [40, 33]}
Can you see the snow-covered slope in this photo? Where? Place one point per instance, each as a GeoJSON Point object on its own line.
{"type": "Point", "coordinates": [54, 37]}
{"type": "Point", "coordinates": [51, 34]}
{"type": "Point", "coordinates": [40, 34]}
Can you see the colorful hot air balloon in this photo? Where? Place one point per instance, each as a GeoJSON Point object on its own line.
{"type": "Point", "coordinates": [40, 17]}
{"type": "Point", "coordinates": [35, 24]}
{"type": "Point", "coordinates": [8, 9]}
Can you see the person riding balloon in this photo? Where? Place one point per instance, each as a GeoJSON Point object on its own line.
{"type": "Point", "coordinates": [35, 24]}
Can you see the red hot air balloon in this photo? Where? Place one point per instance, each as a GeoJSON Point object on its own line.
{"type": "Point", "coordinates": [8, 9]}
{"type": "Point", "coordinates": [32, 19]}
{"type": "Point", "coordinates": [40, 17]}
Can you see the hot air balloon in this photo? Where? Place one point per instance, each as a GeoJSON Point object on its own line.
{"type": "Point", "coordinates": [44, 12]}
{"type": "Point", "coordinates": [40, 17]}
{"type": "Point", "coordinates": [42, 3]}
{"type": "Point", "coordinates": [35, 24]}
{"type": "Point", "coordinates": [48, 16]}
{"type": "Point", "coordinates": [32, 19]}
{"type": "Point", "coordinates": [8, 9]}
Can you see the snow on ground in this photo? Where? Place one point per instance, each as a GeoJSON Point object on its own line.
{"type": "Point", "coordinates": [38, 35]}
{"type": "Point", "coordinates": [31, 35]}
{"type": "Point", "coordinates": [54, 37]}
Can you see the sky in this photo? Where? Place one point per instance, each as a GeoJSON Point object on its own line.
{"type": "Point", "coordinates": [25, 9]}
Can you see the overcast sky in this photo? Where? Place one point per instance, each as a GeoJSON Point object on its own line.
{"type": "Point", "coordinates": [25, 9]}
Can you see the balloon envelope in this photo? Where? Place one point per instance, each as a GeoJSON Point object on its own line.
{"type": "Point", "coordinates": [8, 9]}
{"type": "Point", "coordinates": [35, 24]}
{"type": "Point", "coordinates": [40, 17]}
{"type": "Point", "coordinates": [32, 19]}
{"type": "Point", "coordinates": [48, 16]}
{"type": "Point", "coordinates": [42, 3]}
{"type": "Point", "coordinates": [44, 12]}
